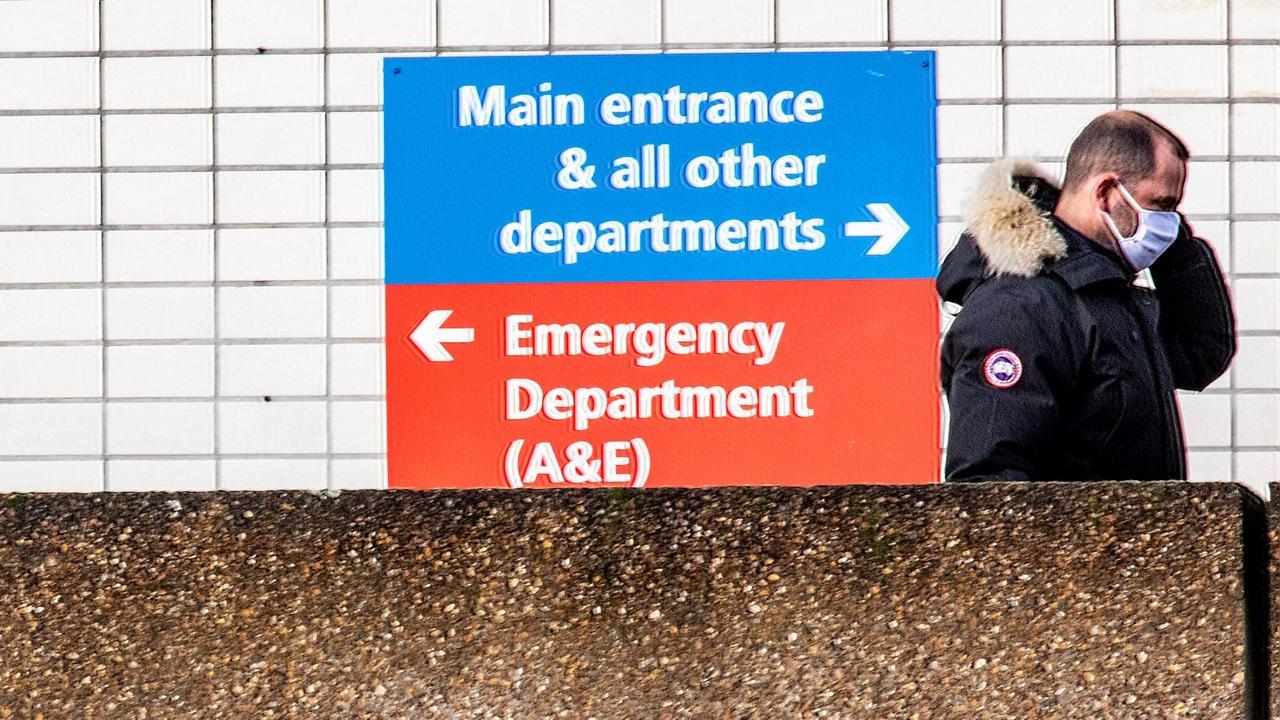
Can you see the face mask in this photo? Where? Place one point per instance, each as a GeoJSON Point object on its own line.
{"type": "Point", "coordinates": [1155, 232]}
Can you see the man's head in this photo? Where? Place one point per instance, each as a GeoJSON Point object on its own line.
{"type": "Point", "coordinates": [1121, 147]}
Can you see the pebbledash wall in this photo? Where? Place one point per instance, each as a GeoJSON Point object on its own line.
{"type": "Point", "coordinates": [190, 199]}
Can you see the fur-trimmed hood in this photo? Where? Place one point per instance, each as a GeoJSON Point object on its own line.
{"type": "Point", "coordinates": [1009, 229]}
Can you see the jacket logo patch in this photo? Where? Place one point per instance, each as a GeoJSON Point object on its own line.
{"type": "Point", "coordinates": [1002, 368]}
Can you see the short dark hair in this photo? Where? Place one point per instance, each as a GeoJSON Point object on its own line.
{"type": "Point", "coordinates": [1120, 142]}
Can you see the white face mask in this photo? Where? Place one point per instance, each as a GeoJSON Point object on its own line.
{"type": "Point", "coordinates": [1155, 232]}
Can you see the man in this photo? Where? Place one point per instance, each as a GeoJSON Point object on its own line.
{"type": "Point", "coordinates": [1058, 366]}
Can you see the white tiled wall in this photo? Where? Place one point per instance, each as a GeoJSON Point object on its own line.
{"type": "Point", "coordinates": [190, 199]}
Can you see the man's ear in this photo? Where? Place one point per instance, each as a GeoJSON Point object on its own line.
{"type": "Point", "coordinates": [1102, 184]}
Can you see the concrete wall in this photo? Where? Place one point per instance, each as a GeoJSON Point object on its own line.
{"type": "Point", "coordinates": [946, 602]}
{"type": "Point", "coordinates": [190, 210]}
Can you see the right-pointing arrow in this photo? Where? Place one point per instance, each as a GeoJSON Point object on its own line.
{"type": "Point", "coordinates": [430, 337]}
{"type": "Point", "coordinates": [888, 225]}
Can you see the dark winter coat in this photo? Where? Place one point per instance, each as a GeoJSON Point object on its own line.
{"type": "Point", "coordinates": [1058, 367]}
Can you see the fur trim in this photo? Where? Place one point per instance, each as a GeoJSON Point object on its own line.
{"type": "Point", "coordinates": [1015, 236]}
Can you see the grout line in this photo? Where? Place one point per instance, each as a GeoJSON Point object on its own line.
{"type": "Point", "coordinates": [127, 169]}
{"type": "Point", "coordinates": [328, 259]}
{"type": "Point", "coordinates": [181, 400]}
{"type": "Point", "coordinates": [1095, 100]}
{"type": "Point", "coordinates": [103, 376]}
{"type": "Point", "coordinates": [194, 456]}
{"type": "Point", "coordinates": [1232, 375]}
{"type": "Point", "coordinates": [1115, 52]}
{"type": "Point", "coordinates": [213, 208]}
{"type": "Point", "coordinates": [132, 169]}
{"type": "Point", "coordinates": [517, 47]}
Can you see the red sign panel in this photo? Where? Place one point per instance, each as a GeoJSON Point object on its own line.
{"type": "Point", "coordinates": [662, 384]}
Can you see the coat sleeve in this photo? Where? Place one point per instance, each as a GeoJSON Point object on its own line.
{"type": "Point", "coordinates": [1002, 433]}
{"type": "Point", "coordinates": [1197, 324]}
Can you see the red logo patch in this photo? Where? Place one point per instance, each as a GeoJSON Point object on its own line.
{"type": "Point", "coordinates": [1002, 368]}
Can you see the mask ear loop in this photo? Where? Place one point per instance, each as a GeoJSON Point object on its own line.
{"type": "Point", "coordinates": [1111, 224]}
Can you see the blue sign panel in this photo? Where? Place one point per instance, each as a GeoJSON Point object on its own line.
{"type": "Point", "coordinates": [593, 168]}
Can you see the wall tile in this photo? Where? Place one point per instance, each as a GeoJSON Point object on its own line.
{"type": "Point", "coordinates": [50, 256]}
{"type": "Point", "coordinates": [392, 23]}
{"type": "Point", "coordinates": [50, 315]}
{"type": "Point", "coordinates": [1257, 249]}
{"type": "Point", "coordinates": [1258, 420]}
{"type": "Point", "coordinates": [1038, 20]}
{"type": "Point", "coordinates": [1257, 363]}
{"type": "Point", "coordinates": [166, 428]}
{"type": "Point", "coordinates": [719, 21]}
{"type": "Point", "coordinates": [606, 22]}
{"type": "Point", "coordinates": [36, 141]}
{"type": "Point", "coordinates": [271, 427]}
{"type": "Point", "coordinates": [154, 313]}
{"type": "Point", "coordinates": [275, 24]}
{"type": "Point", "coordinates": [1255, 71]}
{"type": "Point", "coordinates": [1202, 126]}
{"type": "Point", "coordinates": [49, 26]}
{"type": "Point", "coordinates": [155, 24]}
{"type": "Point", "coordinates": [50, 372]}
{"type": "Point", "coordinates": [1171, 71]}
{"type": "Point", "coordinates": [155, 82]}
{"type": "Point", "coordinates": [272, 370]}
{"type": "Point", "coordinates": [1206, 190]}
{"type": "Point", "coordinates": [1257, 303]}
{"type": "Point", "coordinates": [1206, 419]}
{"type": "Point", "coordinates": [170, 139]}
{"type": "Point", "coordinates": [969, 131]}
{"type": "Point", "coordinates": [1256, 188]}
{"type": "Point", "coordinates": [1256, 128]}
{"type": "Point", "coordinates": [272, 312]}
{"type": "Point", "coordinates": [270, 138]}
{"type": "Point", "coordinates": [50, 429]}
{"type": "Point", "coordinates": [355, 253]}
{"type": "Point", "coordinates": [272, 254]}
{"type": "Point", "coordinates": [1258, 466]}
{"type": "Point", "coordinates": [48, 83]}
{"type": "Point", "coordinates": [356, 369]}
{"type": "Point", "coordinates": [1255, 19]}
{"type": "Point", "coordinates": [168, 475]}
{"type": "Point", "coordinates": [493, 22]}
{"type": "Point", "coordinates": [51, 476]}
{"type": "Point", "coordinates": [355, 195]}
{"type": "Point", "coordinates": [49, 198]}
{"type": "Point", "coordinates": [923, 20]}
{"type": "Point", "coordinates": [138, 371]}
{"type": "Point", "coordinates": [159, 255]}
{"type": "Point", "coordinates": [955, 184]}
{"type": "Point", "coordinates": [1208, 466]}
{"type": "Point", "coordinates": [831, 21]}
{"type": "Point", "coordinates": [355, 137]}
{"type": "Point", "coordinates": [270, 196]}
{"type": "Point", "coordinates": [359, 474]}
{"type": "Point", "coordinates": [158, 198]}
{"type": "Point", "coordinates": [356, 311]}
{"type": "Point", "coordinates": [357, 426]}
{"type": "Point", "coordinates": [269, 80]}
{"type": "Point", "coordinates": [968, 72]}
{"type": "Point", "coordinates": [1047, 130]}
{"type": "Point", "coordinates": [272, 474]}
{"type": "Point", "coordinates": [1164, 20]}
{"type": "Point", "coordinates": [1061, 72]}
{"type": "Point", "coordinates": [355, 79]}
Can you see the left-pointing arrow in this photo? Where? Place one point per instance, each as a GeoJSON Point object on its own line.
{"type": "Point", "coordinates": [430, 337]}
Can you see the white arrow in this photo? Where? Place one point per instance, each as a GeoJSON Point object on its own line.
{"type": "Point", "coordinates": [888, 225]}
{"type": "Point", "coordinates": [430, 337]}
